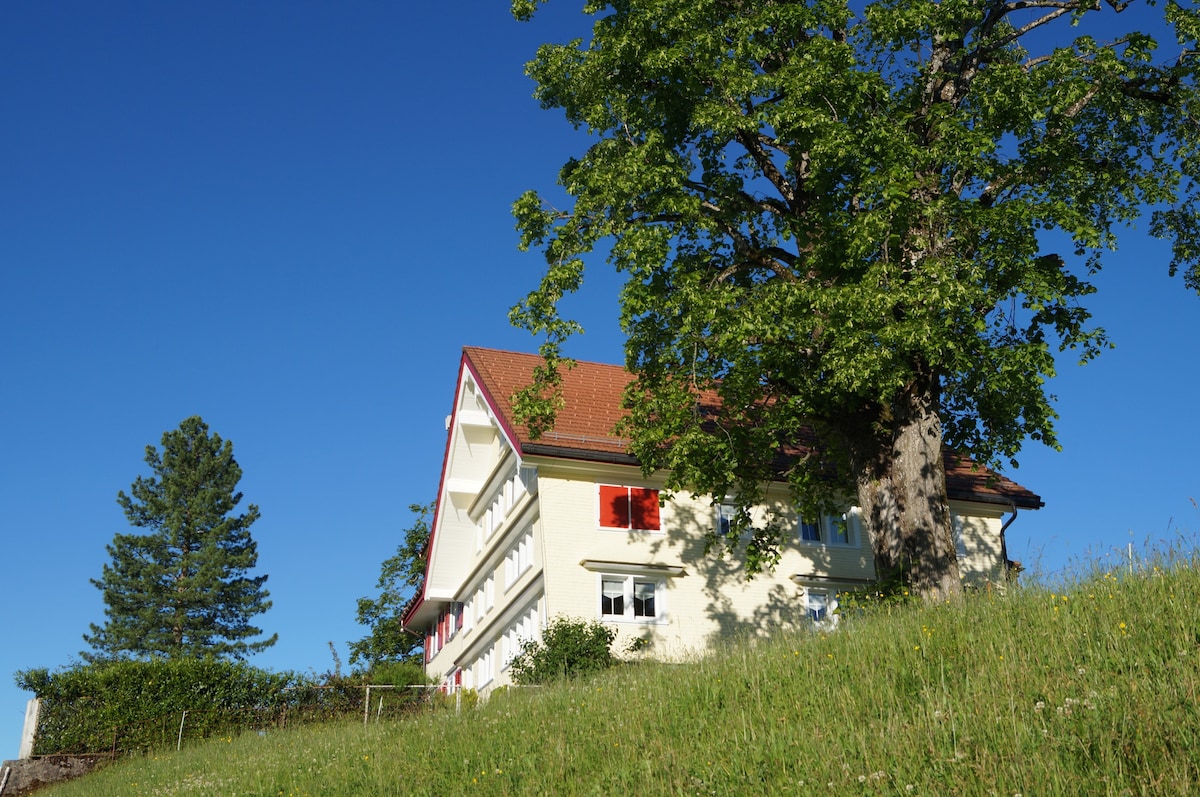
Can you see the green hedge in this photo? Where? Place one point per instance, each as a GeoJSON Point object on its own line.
{"type": "Point", "coordinates": [125, 706]}
{"type": "Point", "coordinates": [132, 706]}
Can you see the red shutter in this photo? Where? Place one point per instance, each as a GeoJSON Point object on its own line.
{"type": "Point", "coordinates": [644, 506]}
{"type": "Point", "coordinates": [614, 507]}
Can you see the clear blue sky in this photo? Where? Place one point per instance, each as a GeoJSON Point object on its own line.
{"type": "Point", "coordinates": [289, 218]}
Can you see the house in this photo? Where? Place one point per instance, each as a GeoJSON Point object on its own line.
{"type": "Point", "coordinates": [525, 530]}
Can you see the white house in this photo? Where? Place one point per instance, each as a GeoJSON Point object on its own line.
{"type": "Point", "coordinates": [525, 530]}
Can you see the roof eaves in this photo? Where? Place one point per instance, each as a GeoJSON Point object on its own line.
{"type": "Point", "coordinates": [583, 454]}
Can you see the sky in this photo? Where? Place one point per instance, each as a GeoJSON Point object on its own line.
{"type": "Point", "coordinates": [289, 219]}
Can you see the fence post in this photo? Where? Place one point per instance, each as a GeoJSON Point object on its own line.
{"type": "Point", "coordinates": [367, 706]}
{"type": "Point", "coordinates": [179, 741]}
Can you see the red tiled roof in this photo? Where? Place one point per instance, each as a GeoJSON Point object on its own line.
{"type": "Point", "coordinates": [592, 394]}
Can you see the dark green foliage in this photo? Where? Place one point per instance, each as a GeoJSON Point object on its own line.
{"type": "Point", "coordinates": [128, 706]}
{"type": "Point", "coordinates": [875, 220]}
{"type": "Point", "coordinates": [569, 648]}
{"type": "Point", "coordinates": [397, 673]}
{"type": "Point", "coordinates": [400, 577]}
{"type": "Point", "coordinates": [181, 589]}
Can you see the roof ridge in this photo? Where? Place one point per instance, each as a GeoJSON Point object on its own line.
{"type": "Point", "coordinates": [576, 360]}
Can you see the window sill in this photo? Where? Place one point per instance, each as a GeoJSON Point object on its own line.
{"type": "Point", "coordinates": [848, 546]}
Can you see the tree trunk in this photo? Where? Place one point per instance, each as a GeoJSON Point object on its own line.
{"type": "Point", "coordinates": [901, 485]}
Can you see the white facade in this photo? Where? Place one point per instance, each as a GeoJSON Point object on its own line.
{"type": "Point", "coordinates": [520, 539]}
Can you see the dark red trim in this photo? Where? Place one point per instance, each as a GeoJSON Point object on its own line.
{"type": "Point", "coordinates": [437, 504]}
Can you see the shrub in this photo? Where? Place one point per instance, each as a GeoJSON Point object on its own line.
{"type": "Point", "coordinates": [398, 673]}
{"type": "Point", "coordinates": [569, 648]}
{"type": "Point", "coordinates": [136, 705]}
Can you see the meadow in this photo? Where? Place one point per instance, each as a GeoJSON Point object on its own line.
{"type": "Point", "coordinates": [1087, 687]}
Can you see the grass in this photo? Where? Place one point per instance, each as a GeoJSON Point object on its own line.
{"type": "Point", "coordinates": [1085, 688]}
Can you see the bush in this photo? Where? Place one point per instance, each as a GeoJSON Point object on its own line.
{"type": "Point", "coordinates": [398, 673]}
{"type": "Point", "coordinates": [136, 705]}
{"type": "Point", "coordinates": [569, 648]}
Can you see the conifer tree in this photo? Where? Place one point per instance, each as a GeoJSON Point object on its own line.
{"type": "Point", "coordinates": [181, 588]}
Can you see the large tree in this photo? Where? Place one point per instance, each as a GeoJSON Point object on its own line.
{"type": "Point", "coordinates": [182, 588]}
{"type": "Point", "coordinates": [873, 221]}
{"type": "Point", "coordinates": [400, 577]}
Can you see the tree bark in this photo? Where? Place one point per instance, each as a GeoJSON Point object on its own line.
{"type": "Point", "coordinates": [901, 486]}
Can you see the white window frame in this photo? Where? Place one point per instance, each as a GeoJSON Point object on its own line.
{"type": "Point", "coordinates": [820, 607]}
{"type": "Point", "coordinates": [726, 512]}
{"type": "Point", "coordinates": [486, 666]}
{"type": "Point", "coordinates": [523, 628]}
{"type": "Point", "coordinates": [468, 614]}
{"type": "Point", "coordinates": [826, 525]}
{"type": "Point", "coordinates": [629, 583]}
{"type": "Point", "coordinates": [527, 479]}
{"type": "Point", "coordinates": [519, 559]}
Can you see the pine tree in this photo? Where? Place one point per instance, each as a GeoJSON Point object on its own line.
{"type": "Point", "coordinates": [181, 589]}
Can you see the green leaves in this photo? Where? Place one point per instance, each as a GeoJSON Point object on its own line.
{"type": "Point", "coordinates": [569, 648]}
{"type": "Point", "coordinates": [182, 588]}
{"type": "Point", "coordinates": [400, 576]}
{"type": "Point", "coordinates": [818, 205]}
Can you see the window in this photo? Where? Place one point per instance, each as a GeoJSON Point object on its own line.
{"type": "Point", "coordinates": [525, 628]}
{"type": "Point", "coordinates": [810, 531]}
{"type": "Point", "coordinates": [630, 508]}
{"type": "Point", "coordinates": [527, 476]}
{"type": "Point", "coordinates": [631, 598]}
{"type": "Point", "coordinates": [468, 615]}
{"type": "Point", "coordinates": [484, 669]}
{"type": "Point", "coordinates": [499, 511]}
{"type": "Point", "coordinates": [725, 515]}
{"type": "Point", "coordinates": [519, 559]}
{"type": "Point", "coordinates": [821, 608]}
{"type": "Point", "coordinates": [829, 530]}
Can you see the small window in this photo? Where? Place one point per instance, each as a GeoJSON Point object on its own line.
{"type": "Point", "coordinates": [630, 508]}
{"type": "Point", "coordinates": [822, 608]}
{"type": "Point", "coordinates": [810, 530]}
{"type": "Point", "coordinates": [839, 529]}
{"type": "Point", "coordinates": [643, 599]}
{"type": "Point", "coordinates": [519, 559]}
{"type": "Point", "coordinates": [612, 598]}
{"type": "Point", "coordinates": [631, 598]}
{"type": "Point", "coordinates": [836, 530]}
{"type": "Point", "coordinates": [725, 516]}
{"type": "Point", "coordinates": [484, 667]}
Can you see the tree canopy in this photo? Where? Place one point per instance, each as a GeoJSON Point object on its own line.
{"type": "Point", "coordinates": [182, 588]}
{"type": "Point", "coordinates": [871, 221]}
{"type": "Point", "coordinates": [400, 577]}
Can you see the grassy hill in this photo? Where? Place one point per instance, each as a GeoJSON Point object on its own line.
{"type": "Point", "coordinates": [1085, 689]}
